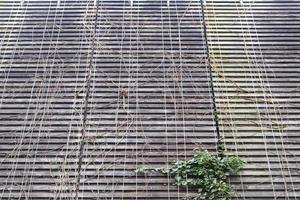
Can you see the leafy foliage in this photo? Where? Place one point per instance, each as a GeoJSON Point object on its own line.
{"type": "Point", "coordinates": [141, 170]}
{"type": "Point", "coordinates": [206, 173]}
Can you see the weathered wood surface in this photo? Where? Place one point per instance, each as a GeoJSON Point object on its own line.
{"type": "Point", "coordinates": [150, 100]}
{"type": "Point", "coordinates": [254, 53]}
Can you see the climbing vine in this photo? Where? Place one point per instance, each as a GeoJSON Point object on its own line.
{"type": "Point", "coordinates": [206, 173]}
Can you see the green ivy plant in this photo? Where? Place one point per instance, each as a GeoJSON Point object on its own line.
{"type": "Point", "coordinates": [141, 170]}
{"type": "Point", "coordinates": [206, 173]}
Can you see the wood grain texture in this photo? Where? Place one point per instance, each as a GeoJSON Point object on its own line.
{"type": "Point", "coordinates": [150, 101]}
{"type": "Point", "coordinates": [254, 52]}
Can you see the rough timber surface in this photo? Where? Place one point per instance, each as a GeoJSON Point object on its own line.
{"type": "Point", "coordinates": [134, 82]}
{"type": "Point", "coordinates": [254, 53]}
{"type": "Point", "coordinates": [91, 91]}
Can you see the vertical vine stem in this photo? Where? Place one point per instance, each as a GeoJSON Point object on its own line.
{"type": "Point", "coordinates": [220, 145]}
{"type": "Point", "coordinates": [86, 102]}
